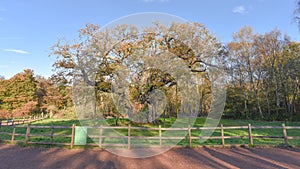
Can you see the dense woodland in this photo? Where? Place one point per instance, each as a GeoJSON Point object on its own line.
{"type": "Point", "coordinates": [262, 72]}
{"type": "Point", "coordinates": [26, 94]}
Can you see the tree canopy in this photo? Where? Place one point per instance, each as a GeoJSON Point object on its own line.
{"type": "Point", "coordinates": [146, 69]}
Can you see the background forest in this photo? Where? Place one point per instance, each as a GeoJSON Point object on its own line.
{"type": "Point", "coordinates": [263, 72]}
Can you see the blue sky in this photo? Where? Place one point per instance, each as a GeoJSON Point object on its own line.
{"type": "Point", "coordinates": [28, 28]}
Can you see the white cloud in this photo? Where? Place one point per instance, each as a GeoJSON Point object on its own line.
{"type": "Point", "coordinates": [3, 66]}
{"type": "Point", "coordinates": [240, 9]}
{"type": "Point", "coordinates": [10, 38]}
{"type": "Point", "coordinates": [16, 51]}
{"type": "Point", "coordinates": [2, 9]}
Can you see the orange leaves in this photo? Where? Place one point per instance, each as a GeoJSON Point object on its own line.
{"type": "Point", "coordinates": [4, 114]}
{"type": "Point", "coordinates": [65, 64]}
{"type": "Point", "coordinates": [89, 29]}
{"type": "Point", "coordinates": [25, 110]}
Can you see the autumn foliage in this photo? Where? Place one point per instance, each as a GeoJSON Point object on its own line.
{"type": "Point", "coordinates": [263, 72]}
{"type": "Point", "coordinates": [26, 95]}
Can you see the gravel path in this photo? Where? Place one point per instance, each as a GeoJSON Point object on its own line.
{"type": "Point", "coordinates": [16, 157]}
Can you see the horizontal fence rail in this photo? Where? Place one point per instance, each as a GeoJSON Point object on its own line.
{"type": "Point", "coordinates": [69, 132]}
{"type": "Point", "coordinates": [11, 122]}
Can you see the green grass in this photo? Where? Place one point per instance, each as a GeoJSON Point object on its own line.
{"type": "Point", "coordinates": [199, 122]}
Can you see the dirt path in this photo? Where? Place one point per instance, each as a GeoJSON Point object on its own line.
{"type": "Point", "coordinates": [15, 157]}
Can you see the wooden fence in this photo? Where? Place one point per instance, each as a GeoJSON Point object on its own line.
{"type": "Point", "coordinates": [11, 122]}
{"type": "Point", "coordinates": [27, 135]}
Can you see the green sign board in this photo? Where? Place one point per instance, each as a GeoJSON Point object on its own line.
{"type": "Point", "coordinates": [80, 135]}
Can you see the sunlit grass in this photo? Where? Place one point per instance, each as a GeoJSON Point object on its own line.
{"type": "Point", "coordinates": [199, 122]}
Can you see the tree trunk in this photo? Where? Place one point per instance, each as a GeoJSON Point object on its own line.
{"type": "Point", "coordinates": [117, 120]}
{"type": "Point", "coordinates": [268, 105]}
{"type": "Point", "coordinates": [258, 105]}
{"type": "Point", "coordinates": [245, 105]}
{"type": "Point", "coordinates": [164, 118]}
{"type": "Point", "coordinates": [277, 101]}
{"type": "Point", "coordinates": [176, 98]}
{"type": "Point", "coordinates": [292, 106]}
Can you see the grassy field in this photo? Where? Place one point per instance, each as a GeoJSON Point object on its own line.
{"type": "Point", "coordinates": [123, 132]}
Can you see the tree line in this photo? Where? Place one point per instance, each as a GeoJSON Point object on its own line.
{"type": "Point", "coordinates": [26, 94]}
{"type": "Point", "coordinates": [262, 69]}
{"type": "Point", "coordinates": [264, 76]}
{"type": "Point", "coordinates": [262, 73]}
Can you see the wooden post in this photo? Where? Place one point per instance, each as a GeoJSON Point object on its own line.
{"type": "Point", "coordinates": [100, 136]}
{"type": "Point", "coordinates": [160, 141]}
{"type": "Point", "coordinates": [250, 135]}
{"type": "Point", "coordinates": [286, 142]}
{"type": "Point", "coordinates": [190, 136]}
{"type": "Point", "coordinates": [13, 134]}
{"type": "Point", "coordinates": [27, 135]}
{"type": "Point", "coordinates": [129, 126]}
{"type": "Point", "coordinates": [51, 136]}
{"type": "Point", "coordinates": [73, 135]}
{"type": "Point", "coordinates": [222, 134]}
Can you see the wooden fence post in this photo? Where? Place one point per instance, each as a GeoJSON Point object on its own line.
{"type": "Point", "coordinates": [73, 135]}
{"type": "Point", "coordinates": [100, 136]}
{"type": "Point", "coordinates": [286, 142]}
{"type": "Point", "coordinates": [27, 135]}
{"type": "Point", "coordinates": [129, 126]}
{"type": "Point", "coordinates": [13, 134]}
{"type": "Point", "coordinates": [51, 135]}
{"type": "Point", "coordinates": [159, 132]}
{"type": "Point", "coordinates": [190, 136]}
{"type": "Point", "coordinates": [222, 134]}
{"type": "Point", "coordinates": [250, 135]}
